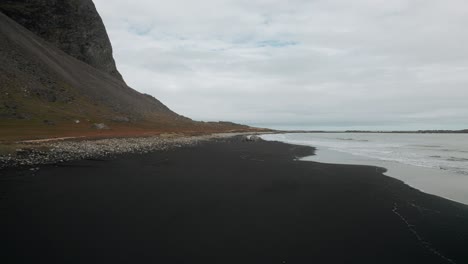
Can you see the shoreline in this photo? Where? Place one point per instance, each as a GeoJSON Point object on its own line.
{"type": "Point", "coordinates": [58, 150]}
{"type": "Point", "coordinates": [425, 179]}
{"type": "Point", "coordinates": [400, 171]}
{"type": "Point", "coordinates": [224, 200]}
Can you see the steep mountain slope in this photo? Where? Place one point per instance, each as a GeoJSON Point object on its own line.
{"type": "Point", "coordinates": [73, 26]}
{"type": "Point", "coordinates": [46, 92]}
{"type": "Point", "coordinates": [40, 71]}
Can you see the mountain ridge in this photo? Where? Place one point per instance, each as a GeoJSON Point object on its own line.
{"type": "Point", "coordinates": [46, 92]}
{"type": "Point", "coordinates": [42, 68]}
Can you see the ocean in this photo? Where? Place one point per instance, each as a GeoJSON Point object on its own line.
{"type": "Point", "coordinates": [434, 163]}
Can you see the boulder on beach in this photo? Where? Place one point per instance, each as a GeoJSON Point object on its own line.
{"type": "Point", "coordinates": [253, 138]}
{"type": "Point", "coordinates": [100, 126]}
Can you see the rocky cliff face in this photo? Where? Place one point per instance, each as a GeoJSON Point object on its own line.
{"type": "Point", "coordinates": [38, 81]}
{"type": "Point", "coordinates": [73, 26]}
{"type": "Point", "coordinates": [58, 78]}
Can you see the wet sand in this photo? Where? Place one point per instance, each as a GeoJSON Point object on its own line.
{"type": "Point", "coordinates": [226, 201]}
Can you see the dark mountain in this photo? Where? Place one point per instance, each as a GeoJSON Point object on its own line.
{"type": "Point", "coordinates": [58, 76]}
{"type": "Point", "coordinates": [35, 70]}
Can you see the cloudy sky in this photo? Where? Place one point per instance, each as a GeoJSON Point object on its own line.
{"type": "Point", "coordinates": [312, 64]}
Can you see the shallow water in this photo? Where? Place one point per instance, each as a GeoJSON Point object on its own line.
{"type": "Point", "coordinates": [433, 163]}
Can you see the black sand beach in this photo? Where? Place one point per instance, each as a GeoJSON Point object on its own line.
{"type": "Point", "coordinates": [228, 201]}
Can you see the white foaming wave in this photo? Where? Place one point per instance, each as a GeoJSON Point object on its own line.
{"type": "Point", "coordinates": [450, 164]}
{"type": "Point", "coordinates": [426, 155]}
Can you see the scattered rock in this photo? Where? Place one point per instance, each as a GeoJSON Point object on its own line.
{"type": "Point", "coordinates": [253, 138]}
{"type": "Point", "coordinates": [122, 119]}
{"type": "Point", "coordinates": [23, 116]}
{"type": "Point", "coordinates": [100, 126]}
{"type": "Point", "coordinates": [61, 151]}
{"type": "Point", "coordinates": [49, 122]}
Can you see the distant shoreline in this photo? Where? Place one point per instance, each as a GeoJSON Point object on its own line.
{"type": "Point", "coordinates": [378, 131]}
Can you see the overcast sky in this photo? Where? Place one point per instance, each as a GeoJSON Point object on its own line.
{"type": "Point", "coordinates": [312, 64]}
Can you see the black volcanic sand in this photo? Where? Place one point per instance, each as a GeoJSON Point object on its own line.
{"type": "Point", "coordinates": [223, 202]}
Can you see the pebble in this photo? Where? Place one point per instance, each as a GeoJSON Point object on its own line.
{"type": "Point", "coordinates": [62, 151]}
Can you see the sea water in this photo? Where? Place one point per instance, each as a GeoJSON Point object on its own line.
{"type": "Point", "coordinates": [434, 163]}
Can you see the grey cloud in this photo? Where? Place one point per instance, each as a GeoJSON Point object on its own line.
{"type": "Point", "coordinates": [316, 64]}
